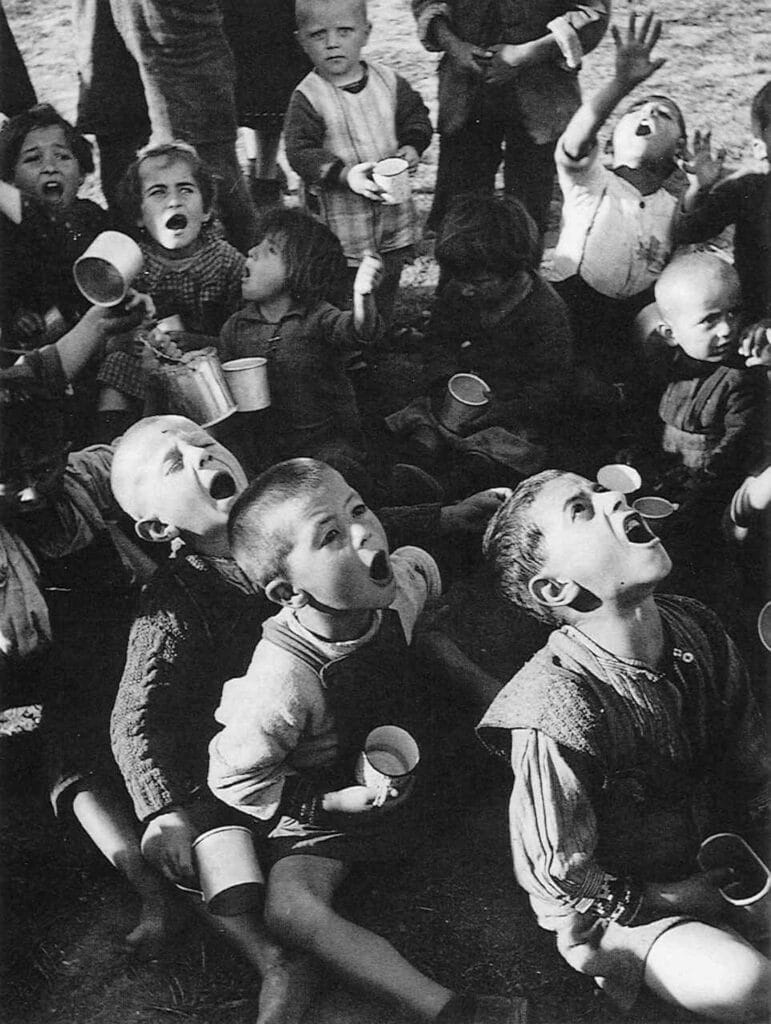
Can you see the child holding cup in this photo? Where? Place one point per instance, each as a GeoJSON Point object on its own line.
{"type": "Point", "coordinates": [344, 117]}
{"type": "Point", "coordinates": [189, 271]}
{"type": "Point", "coordinates": [43, 163]}
{"type": "Point", "coordinates": [330, 666]}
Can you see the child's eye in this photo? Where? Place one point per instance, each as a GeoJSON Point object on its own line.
{"type": "Point", "coordinates": [330, 536]}
{"type": "Point", "coordinates": [173, 463]}
{"type": "Point", "coordinates": [359, 510]}
{"type": "Point", "coordinates": [578, 509]}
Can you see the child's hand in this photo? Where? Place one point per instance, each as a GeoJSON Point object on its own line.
{"type": "Point", "coordinates": [472, 514]}
{"type": "Point", "coordinates": [353, 800]}
{"type": "Point", "coordinates": [359, 180]}
{"type": "Point", "coordinates": [507, 60]}
{"type": "Point", "coordinates": [702, 168]}
{"type": "Point", "coordinates": [168, 844]}
{"type": "Point", "coordinates": [755, 344]}
{"type": "Point", "coordinates": [468, 57]}
{"type": "Point", "coordinates": [369, 275]}
{"type": "Point", "coordinates": [411, 155]}
{"type": "Point", "coordinates": [139, 300]}
{"type": "Point", "coordinates": [633, 56]}
{"type": "Point", "coordinates": [758, 490]}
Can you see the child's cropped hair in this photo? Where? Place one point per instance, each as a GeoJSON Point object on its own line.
{"type": "Point", "coordinates": [488, 233]}
{"type": "Point", "coordinates": [760, 111]}
{"type": "Point", "coordinates": [512, 547]}
{"type": "Point", "coordinates": [304, 9]}
{"type": "Point", "coordinates": [261, 551]}
{"type": "Point", "coordinates": [315, 264]}
{"type": "Point", "coordinates": [130, 194]}
{"type": "Point", "coordinates": [42, 115]}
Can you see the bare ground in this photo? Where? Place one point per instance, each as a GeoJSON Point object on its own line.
{"type": "Point", "coordinates": [454, 910]}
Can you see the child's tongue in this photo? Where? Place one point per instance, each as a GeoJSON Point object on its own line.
{"type": "Point", "coordinates": [177, 222]}
{"type": "Point", "coordinates": [53, 191]}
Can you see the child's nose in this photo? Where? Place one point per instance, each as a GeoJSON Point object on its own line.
{"type": "Point", "coordinates": [611, 501]}
{"type": "Point", "coordinates": [359, 535]}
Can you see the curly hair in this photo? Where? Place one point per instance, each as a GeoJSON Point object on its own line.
{"type": "Point", "coordinates": [490, 233]}
{"type": "Point", "coordinates": [42, 115]}
{"type": "Point", "coordinates": [760, 111]}
{"type": "Point", "coordinates": [130, 191]}
{"type": "Point", "coordinates": [315, 263]}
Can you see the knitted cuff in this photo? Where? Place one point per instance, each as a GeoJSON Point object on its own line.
{"type": "Point", "coordinates": [620, 901]}
{"type": "Point", "coordinates": [302, 800]}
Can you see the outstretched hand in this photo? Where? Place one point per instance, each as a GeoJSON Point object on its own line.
{"type": "Point", "coordinates": [755, 344]}
{"type": "Point", "coordinates": [703, 169]}
{"type": "Point", "coordinates": [472, 514]}
{"type": "Point", "coordinates": [359, 180]}
{"type": "Point", "coordinates": [633, 54]}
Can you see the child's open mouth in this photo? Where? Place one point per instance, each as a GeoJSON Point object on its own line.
{"type": "Point", "coordinates": [637, 530]}
{"type": "Point", "coordinates": [643, 128]}
{"type": "Point", "coordinates": [53, 190]}
{"type": "Point", "coordinates": [222, 486]}
{"type": "Point", "coordinates": [177, 222]}
{"type": "Point", "coordinates": [380, 569]}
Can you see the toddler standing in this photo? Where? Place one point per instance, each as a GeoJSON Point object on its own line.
{"type": "Point", "coordinates": [343, 117]}
{"type": "Point", "coordinates": [617, 223]}
{"type": "Point", "coordinates": [188, 270]}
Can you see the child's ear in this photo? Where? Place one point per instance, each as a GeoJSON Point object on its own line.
{"type": "Point", "coordinates": [553, 593]}
{"type": "Point", "coordinates": [666, 333]}
{"type": "Point", "coordinates": [155, 531]}
{"type": "Point", "coordinates": [281, 591]}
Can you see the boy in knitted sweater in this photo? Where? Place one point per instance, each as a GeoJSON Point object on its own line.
{"type": "Point", "coordinates": [343, 117]}
{"type": "Point", "coordinates": [633, 735]}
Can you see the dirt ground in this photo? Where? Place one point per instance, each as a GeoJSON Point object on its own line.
{"type": "Point", "coordinates": [454, 910]}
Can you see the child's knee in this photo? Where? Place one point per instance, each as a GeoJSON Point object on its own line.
{"type": "Point", "coordinates": [293, 914]}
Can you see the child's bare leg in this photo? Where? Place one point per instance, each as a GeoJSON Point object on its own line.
{"type": "Point", "coordinates": [299, 910]}
{"type": "Point", "coordinates": [289, 979]}
{"type": "Point", "coordinates": [711, 972]}
{"type": "Point", "coordinates": [109, 823]}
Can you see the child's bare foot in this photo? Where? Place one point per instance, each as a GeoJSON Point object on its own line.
{"type": "Point", "coordinates": [159, 919]}
{"type": "Point", "coordinates": [288, 987]}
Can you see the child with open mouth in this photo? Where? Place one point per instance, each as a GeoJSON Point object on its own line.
{"type": "Point", "coordinates": [189, 270]}
{"type": "Point", "coordinates": [43, 163]}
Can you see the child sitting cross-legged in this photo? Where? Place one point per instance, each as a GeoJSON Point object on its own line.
{"type": "Point", "coordinates": [291, 284]}
{"type": "Point", "coordinates": [633, 735]}
{"type": "Point", "coordinates": [330, 667]}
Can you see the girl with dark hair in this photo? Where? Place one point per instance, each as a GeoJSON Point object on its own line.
{"type": "Point", "coordinates": [291, 286]}
{"type": "Point", "coordinates": [43, 163]}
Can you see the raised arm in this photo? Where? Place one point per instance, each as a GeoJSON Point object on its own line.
{"type": "Point", "coordinates": [633, 66]}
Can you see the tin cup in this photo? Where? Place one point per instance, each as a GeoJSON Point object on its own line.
{"type": "Point", "coordinates": [764, 625]}
{"type": "Point", "coordinates": [465, 398]}
{"type": "Point", "coordinates": [654, 508]}
{"type": "Point", "coordinates": [393, 176]}
{"type": "Point", "coordinates": [750, 884]}
{"type": "Point", "coordinates": [617, 476]}
{"type": "Point", "coordinates": [197, 388]}
{"type": "Point", "coordinates": [229, 873]}
{"type": "Point", "coordinates": [389, 758]}
{"type": "Point", "coordinates": [248, 382]}
{"type": "Point", "coordinates": [106, 269]}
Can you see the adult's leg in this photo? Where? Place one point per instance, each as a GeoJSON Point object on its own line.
{"type": "Point", "coordinates": [467, 162]}
{"type": "Point", "coordinates": [529, 172]}
{"type": "Point", "coordinates": [711, 972]}
{"type": "Point", "coordinates": [188, 75]}
{"type": "Point", "coordinates": [299, 910]}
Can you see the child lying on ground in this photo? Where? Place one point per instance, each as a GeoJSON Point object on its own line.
{"type": "Point", "coordinates": [329, 667]}
{"type": "Point", "coordinates": [633, 735]}
{"type": "Point", "coordinates": [188, 270]}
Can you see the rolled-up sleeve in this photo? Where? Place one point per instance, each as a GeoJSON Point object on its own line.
{"type": "Point", "coordinates": [553, 831]}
